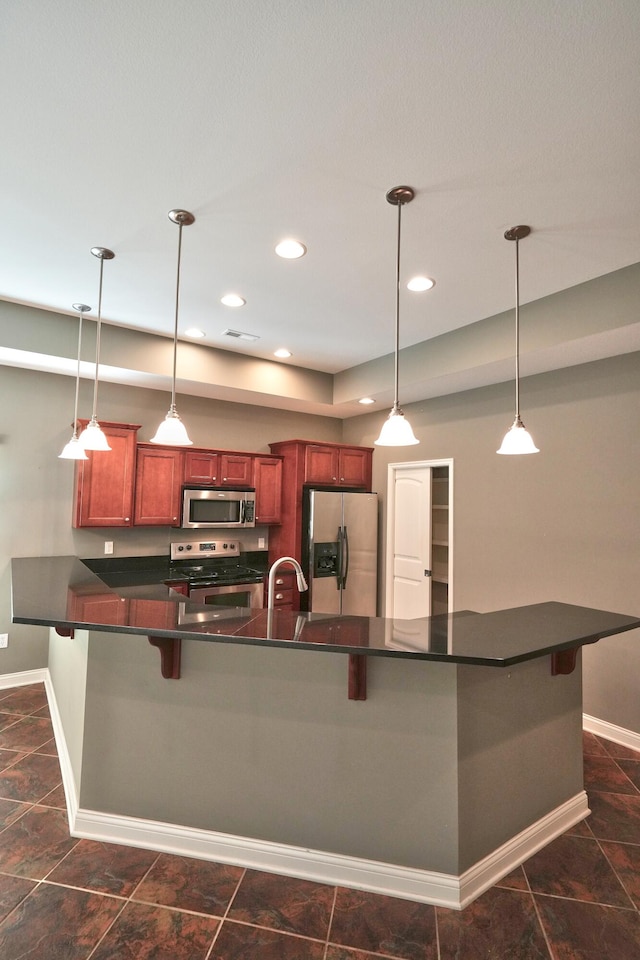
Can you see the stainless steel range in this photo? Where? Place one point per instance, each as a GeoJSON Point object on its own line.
{"type": "Point", "coordinates": [214, 574]}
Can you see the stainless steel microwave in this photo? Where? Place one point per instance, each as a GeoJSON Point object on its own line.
{"type": "Point", "coordinates": [218, 507]}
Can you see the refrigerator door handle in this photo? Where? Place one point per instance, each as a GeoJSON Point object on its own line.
{"type": "Point", "coordinates": [345, 564]}
{"type": "Point", "coordinates": [340, 559]}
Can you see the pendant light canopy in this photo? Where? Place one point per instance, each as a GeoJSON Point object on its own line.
{"type": "Point", "coordinates": [517, 439]}
{"type": "Point", "coordinates": [172, 431]}
{"type": "Point", "coordinates": [92, 437]}
{"type": "Point", "coordinates": [74, 450]}
{"type": "Point", "coordinates": [396, 430]}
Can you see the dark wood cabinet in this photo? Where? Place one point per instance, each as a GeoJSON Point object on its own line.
{"type": "Point", "coordinates": [236, 470]}
{"type": "Point", "coordinates": [201, 466]}
{"type": "Point", "coordinates": [104, 482]}
{"type": "Point", "coordinates": [283, 595]}
{"type": "Point", "coordinates": [90, 606]}
{"type": "Point", "coordinates": [267, 478]}
{"type": "Point", "coordinates": [335, 464]}
{"type": "Point", "coordinates": [158, 485]}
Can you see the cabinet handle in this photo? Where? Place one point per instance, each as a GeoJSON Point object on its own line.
{"type": "Point", "coordinates": [333, 478]}
{"type": "Point", "coordinates": [341, 479]}
{"type": "Point", "coordinates": [280, 581]}
{"type": "Point", "coordinates": [279, 596]}
{"type": "Point", "coordinates": [224, 479]}
{"type": "Point", "coordinates": [127, 519]}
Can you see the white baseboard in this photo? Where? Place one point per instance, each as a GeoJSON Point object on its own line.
{"type": "Point", "coordinates": [23, 678]}
{"type": "Point", "coordinates": [511, 854]}
{"type": "Point", "coordinates": [425, 886]}
{"type": "Point", "coordinates": [628, 738]}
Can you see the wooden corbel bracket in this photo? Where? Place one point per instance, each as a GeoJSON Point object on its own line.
{"type": "Point", "coordinates": [170, 648]}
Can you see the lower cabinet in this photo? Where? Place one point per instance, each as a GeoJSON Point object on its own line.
{"type": "Point", "coordinates": [158, 486]}
{"type": "Point", "coordinates": [283, 595]}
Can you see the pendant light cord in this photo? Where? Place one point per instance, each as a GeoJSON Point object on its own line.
{"type": "Point", "coordinates": [175, 326]}
{"type": "Point", "coordinates": [517, 331]}
{"type": "Point", "coordinates": [98, 334]}
{"type": "Point", "coordinates": [395, 375]}
{"type": "Point", "coordinates": [75, 408]}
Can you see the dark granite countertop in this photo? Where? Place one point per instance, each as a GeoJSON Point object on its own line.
{"type": "Point", "coordinates": [62, 592]}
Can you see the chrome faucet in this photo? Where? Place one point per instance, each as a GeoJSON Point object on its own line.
{"type": "Point", "coordinates": [302, 583]}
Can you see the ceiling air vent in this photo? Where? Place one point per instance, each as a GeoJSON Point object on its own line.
{"type": "Point", "coordinates": [239, 335]}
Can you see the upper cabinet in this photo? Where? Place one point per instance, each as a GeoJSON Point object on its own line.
{"type": "Point", "coordinates": [104, 482]}
{"type": "Point", "coordinates": [267, 475]}
{"type": "Point", "coordinates": [158, 485]}
{"type": "Point", "coordinates": [220, 469]}
{"type": "Point", "coordinates": [331, 464]}
{"type": "Point", "coordinates": [236, 470]}
{"type": "Point", "coordinates": [201, 466]}
{"type": "Point", "coordinates": [141, 483]}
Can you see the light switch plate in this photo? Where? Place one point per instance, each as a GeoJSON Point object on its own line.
{"type": "Point", "coordinates": [4, 640]}
{"type": "Point", "coordinates": [108, 546]}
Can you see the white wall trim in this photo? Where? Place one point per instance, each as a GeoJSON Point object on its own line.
{"type": "Point", "coordinates": [424, 886]}
{"type": "Point", "coordinates": [24, 678]}
{"type": "Point", "coordinates": [602, 728]}
{"type": "Point", "coordinates": [68, 779]}
{"type": "Point", "coordinates": [511, 854]}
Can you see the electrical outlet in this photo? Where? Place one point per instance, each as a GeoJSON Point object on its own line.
{"type": "Point", "coordinates": [4, 640]}
{"type": "Point", "coordinates": [261, 543]}
{"type": "Point", "coordinates": [108, 546]}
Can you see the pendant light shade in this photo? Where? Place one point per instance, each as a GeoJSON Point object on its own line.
{"type": "Point", "coordinates": [396, 430]}
{"type": "Point", "coordinates": [74, 450]}
{"type": "Point", "coordinates": [172, 431]}
{"type": "Point", "coordinates": [517, 439]}
{"type": "Point", "coordinates": [92, 437]}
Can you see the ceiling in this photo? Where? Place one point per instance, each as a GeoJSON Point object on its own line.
{"type": "Point", "coordinates": [294, 118]}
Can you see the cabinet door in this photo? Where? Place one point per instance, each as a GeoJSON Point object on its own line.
{"type": "Point", "coordinates": [104, 482]}
{"type": "Point", "coordinates": [201, 467]}
{"type": "Point", "coordinates": [354, 467]}
{"type": "Point", "coordinates": [267, 477]}
{"type": "Point", "coordinates": [321, 464]}
{"type": "Point", "coordinates": [104, 607]}
{"type": "Point", "coordinates": [236, 469]}
{"type": "Point", "coordinates": [158, 483]}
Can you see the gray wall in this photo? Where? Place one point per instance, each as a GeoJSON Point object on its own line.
{"type": "Point", "coordinates": [563, 524]}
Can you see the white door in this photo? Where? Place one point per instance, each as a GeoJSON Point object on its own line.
{"type": "Point", "coordinates": [409, 542]}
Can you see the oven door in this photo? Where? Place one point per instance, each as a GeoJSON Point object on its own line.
{"type": "Point", "coordinates": [230, 595]}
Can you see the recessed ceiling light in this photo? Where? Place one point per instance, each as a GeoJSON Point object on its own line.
{"type": "Point", "coordinates": [421, 283]}
{"type": "Point", "coordinates": [232, 300]}
{"type": "Point", "coordinates": [195, 333]}
{"type": "Point", "coordinates": [291, 249]}
{"type": "Point", "coordinates": [366, 400]}
{"type": "Point", "coordinates": [282, 352]}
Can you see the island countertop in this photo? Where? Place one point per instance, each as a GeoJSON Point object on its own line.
{"type": "Point", "coordinates": [64, 593]}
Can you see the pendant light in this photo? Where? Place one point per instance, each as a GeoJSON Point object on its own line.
{"type": "Point", "coordinates": [517, 440]}
{"type": "Point", "coordinates": [172, 431]}
{"type": "Point", "coordinates": [396, 430]}
{"type": "Point", "coordinates": [74, 450]}
{"type": "Point", "coordinates": [92, 437]}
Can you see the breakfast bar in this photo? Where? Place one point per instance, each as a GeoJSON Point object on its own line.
{"type": "Point", "coordinates": [455, 755]}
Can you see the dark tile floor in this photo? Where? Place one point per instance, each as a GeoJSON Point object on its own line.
{"type": "Point", "coordinates": [68, 899]}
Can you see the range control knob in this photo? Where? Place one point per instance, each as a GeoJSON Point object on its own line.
{"type": "Point", "coordinates": [180, 549]}
{"type": "Point", "coordinates": [189, 546]}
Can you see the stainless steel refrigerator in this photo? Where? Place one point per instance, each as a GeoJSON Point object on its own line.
{"type": "Point", "coordinates": [340, 552]}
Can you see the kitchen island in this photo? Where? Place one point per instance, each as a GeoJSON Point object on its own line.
{"type": "Point", "coordinates": [456, 754]}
